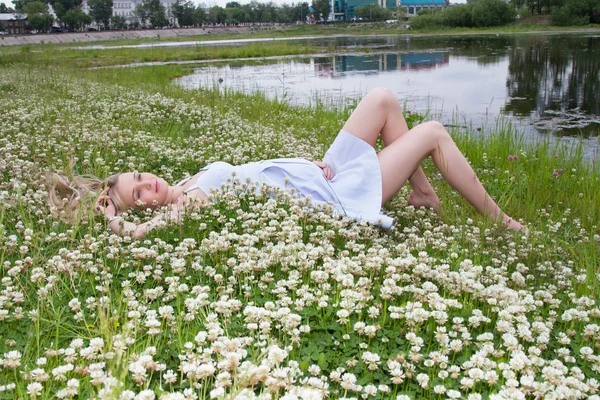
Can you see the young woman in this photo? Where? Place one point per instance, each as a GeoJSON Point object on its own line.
{"type": "Point", "coordinates": [356, 179]}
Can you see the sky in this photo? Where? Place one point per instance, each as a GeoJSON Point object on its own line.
{"type": "Point", "coordinates": [223, 2]}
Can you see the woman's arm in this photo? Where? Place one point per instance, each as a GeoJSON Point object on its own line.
{"type": "Point", "coordinates": [136, 231]}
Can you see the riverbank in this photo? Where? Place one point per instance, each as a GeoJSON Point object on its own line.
{"type": "Point", "coordinates": [137, 35]}
{"type": "Point", "coordinates": [222, 33]}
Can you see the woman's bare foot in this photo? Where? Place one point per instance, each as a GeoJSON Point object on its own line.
{"type": "Point", "coordinates": [418, 200]}
{"type": "Point", "coordinates": [514, 225]}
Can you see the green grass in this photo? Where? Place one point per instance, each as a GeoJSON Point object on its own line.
{"type": "Point", "coordinates": [271, 254]}
{"type": "Point", "coordinates": [86, 58]}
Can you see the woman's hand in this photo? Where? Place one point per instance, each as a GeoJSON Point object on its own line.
{"type": "Point", "coordinates": [326, 170]}
{"type": "Point", "coordinates": [105, 206]}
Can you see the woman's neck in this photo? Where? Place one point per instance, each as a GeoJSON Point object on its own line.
{"type": "Point", "coordinates": [173, 194]}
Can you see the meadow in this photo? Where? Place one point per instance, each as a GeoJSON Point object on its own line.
{"type": "Point", "coordinates": [262, 296]}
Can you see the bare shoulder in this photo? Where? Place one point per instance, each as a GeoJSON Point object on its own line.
{"type": "Point", "coordinates": [195, 196]}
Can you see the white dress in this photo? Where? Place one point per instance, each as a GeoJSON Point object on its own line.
{"type": "Point", "coordinates": [355, 190]}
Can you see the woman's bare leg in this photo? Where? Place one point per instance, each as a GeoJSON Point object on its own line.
{"type": "Point", "coordinates": [379, 113]}
{"type": "Point", "coordinates": [402, 158]}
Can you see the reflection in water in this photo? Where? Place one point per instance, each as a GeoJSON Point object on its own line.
{"type": "Point", "coordinates": [338, 66]}
{"type": "Point", "coordinates": [558, 80]}
{"type": "Point", "coordinates": [547, 83]}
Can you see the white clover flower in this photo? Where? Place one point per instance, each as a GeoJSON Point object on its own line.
{"type": "Point", "coordinates": [145, 395]}
{"type": "Point", "coordinates": [314, 370]}
{"type": "Point", "coordinates": [276, 355]}
{"type": "Point", "coordinates": [423, 380]}
{"type": "Point", "coordinates": [348, 381]}
{"type": "Point", "coordinates": [60, 371]}
{"type": "Point", "coordinates": [34, 389]}
{"type": "Point", "coordinates": [170, 377]}
{"type": "Point", "coordinates": [383, 388]}
{"type": "Point", "coordinates": [12, 359]}
{"type": "Point", "coordinates": [586, 351]}
{"type": "Point", "coordinates": [217, 392]}
{"type": "Point", "coordinates": [439, 389]}
{"type": "Point", "coordinates": [173, 396]}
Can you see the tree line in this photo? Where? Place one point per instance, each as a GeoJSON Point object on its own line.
{"type": "Point", "coordinates": [152, 14]}
{"type": "Point", "coordinates": [486, 13]}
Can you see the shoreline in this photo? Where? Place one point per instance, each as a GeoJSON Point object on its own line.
{"type": "Point", "coordinates": [101, 36]}
{"type": "Point", "coordinates": [142, 36]}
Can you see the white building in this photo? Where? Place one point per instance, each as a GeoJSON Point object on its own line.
{"type": "Point", "coordinates": [126, 8]}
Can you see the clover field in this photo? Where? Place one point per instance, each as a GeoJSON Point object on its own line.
{"type": "Point", "coordinates": [261, 296]}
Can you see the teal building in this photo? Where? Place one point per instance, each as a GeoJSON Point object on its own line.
{"type": "Point", "coordinates": [414, 6]}
{"type": "Point", "coordinates": [343, 10]}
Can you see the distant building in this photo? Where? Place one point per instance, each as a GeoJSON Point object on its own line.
{"type": "Point", "coordinates": [13, 23]}
{"type": "Point", "coordinates": [126, 8]}
{"type": "Point", "coordinates": [344, 9]}
{"type": "Point", "coordinates": [414, 6]}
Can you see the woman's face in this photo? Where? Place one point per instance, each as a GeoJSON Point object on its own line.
{"type": "Point", "coordinates": [135, 188]}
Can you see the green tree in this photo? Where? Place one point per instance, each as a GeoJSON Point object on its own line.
{"type": "Point", "coordinates": [156, 12]}
{"type": "Point", "coordinates": [576, 12]}
{"type": "Point", "coordinates": [140, 13]}
{"type": "Point", "coordinates": [37, 15]}
{"type": "Point", "coordinates": [460, 15]}
{"type": "Point", "coordinates": [492, 13]}
{"type": "Point", "coordinates": [19, 4]}
{"type": "Point", "coordinates": [76, 19]}
{"type": "Point", "coordinates": [236, 15]}
{"type": "Point", "coordinates": [321, 8]}
{"type": "Point", "coordinates": [400, 12]}
{"type": "Point", "coordinates": [299, 11]}
{"type": "Point", "coordinates": [152, 12]}
{"type": "Point", "coordinates": [233, 4]}
{"type": "Point", "coordinates": [35, 7]}
{"type": "Point", "coordinates": [5, 9]}
{"type": "Point", "coordinates": [59, 10]}
{"type": "Point", "coordinates": [216, 15]}
{"type": "Point", "coordinates": [373, 12]}
{"type": "Point", "coordinates": [184, 12]}
{"type": "Point", "coordinates": [118, 22]}
{"type": "Point", "coordinates": [200, 15]}
{"type": "Point", "coordinates": [62, 6]}
{"type": "Point", "coordinates": [101, 11]}
{"type": "Point", "coordinates": [427, 19]}
{"type": "Point", "coordinates": [40, 22]}
{"type": "Point", "coordinates": [517, 4]}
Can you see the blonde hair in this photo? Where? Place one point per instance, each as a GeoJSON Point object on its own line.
{"type": "Point", "coordinates": [72, 196]}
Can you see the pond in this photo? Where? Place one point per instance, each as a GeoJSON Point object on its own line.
{"type": "Point", "coordinates": [546, 85]}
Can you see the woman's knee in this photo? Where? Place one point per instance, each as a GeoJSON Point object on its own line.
{"type": "Point", "coordinates": [383, 96]}
{"type": "Point", "coordinates": [436, 130]}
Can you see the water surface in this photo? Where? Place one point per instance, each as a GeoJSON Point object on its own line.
{"type": "Point", "coordinates": [547, 85]}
